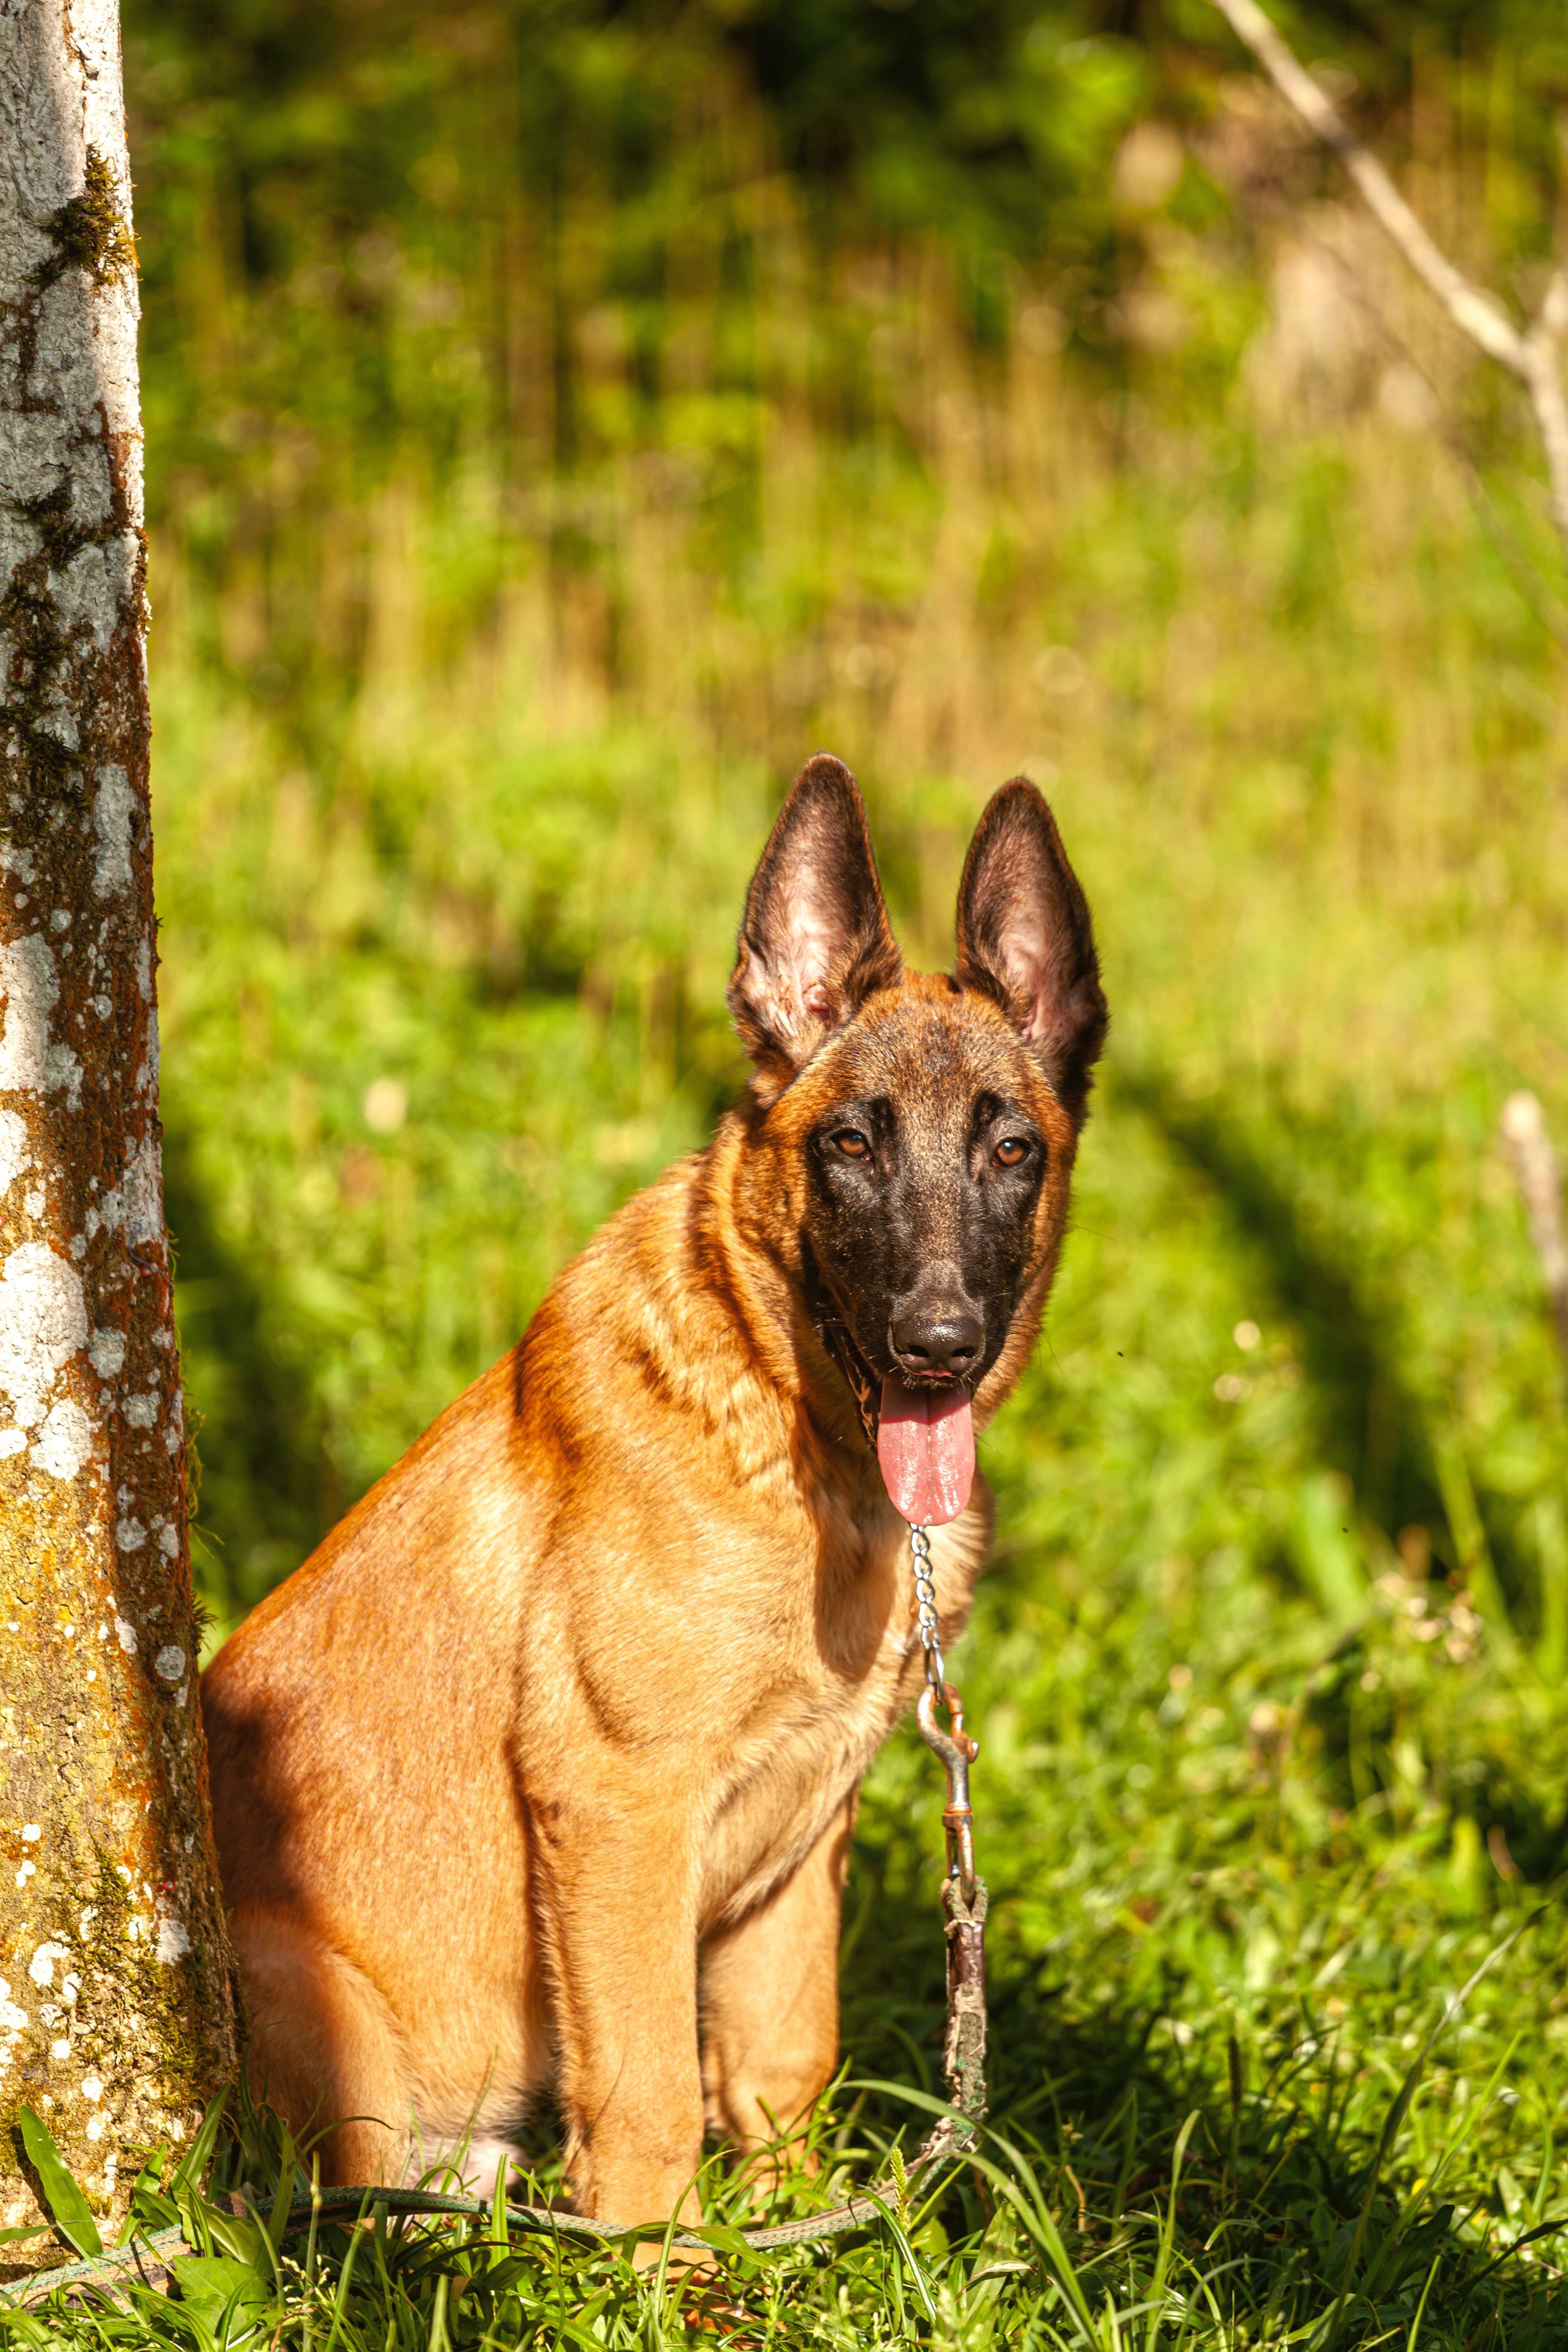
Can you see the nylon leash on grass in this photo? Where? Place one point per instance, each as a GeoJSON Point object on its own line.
{"type": "Point", "coordinates": [145, 2261]}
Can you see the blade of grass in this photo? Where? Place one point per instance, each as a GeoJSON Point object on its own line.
{"type": "Point", "coordinates": [1168, 2227]}
{"type": "Point", "coordinates": [194, 2162]}
{"type": "Point", "coordinates": [284, 2196]}
{"type": "Point", "coordinates": [907, 2255]}
{"type": "Point", "coordinates": [72, 2214]}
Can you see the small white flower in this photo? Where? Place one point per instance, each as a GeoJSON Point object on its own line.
{"type": "Point", "coordinates": [385, 1106]}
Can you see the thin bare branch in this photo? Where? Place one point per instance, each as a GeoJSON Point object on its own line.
{"type": "Point", "coordinates": [1531, 356]}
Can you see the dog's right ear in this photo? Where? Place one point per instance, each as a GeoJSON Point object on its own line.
{"type": "Point", "coordinates": [815, 941]}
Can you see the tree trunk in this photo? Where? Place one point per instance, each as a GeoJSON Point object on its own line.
{"type": "Point", "coordinates": [117, 2004]}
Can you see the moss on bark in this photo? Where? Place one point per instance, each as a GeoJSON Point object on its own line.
{"type": "Point", "coordinates": [89, 231]}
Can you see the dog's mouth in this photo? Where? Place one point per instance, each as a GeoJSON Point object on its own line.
{"type": "Point", "coordinates": [925, 1446]}
{"type": "Point", "coordinates": [923, 1432]}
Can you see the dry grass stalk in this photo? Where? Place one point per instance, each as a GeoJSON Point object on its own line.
{"type": "Point", "coordinates": [1540, 1188]}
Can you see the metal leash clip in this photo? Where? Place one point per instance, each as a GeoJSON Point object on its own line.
{"type": "Point", "coordinates": [957, 1752]}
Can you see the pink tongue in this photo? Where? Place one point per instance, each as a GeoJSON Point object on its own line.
{"type": "Point", "coordinates": [926, 1448]}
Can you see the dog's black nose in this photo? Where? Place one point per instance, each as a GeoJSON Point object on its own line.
{"type": "Point", "coordinates": [937, 1339]}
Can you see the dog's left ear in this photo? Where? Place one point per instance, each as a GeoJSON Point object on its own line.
{"type": "Point", "coordinates": [816, 940]}
{"type": "Point", "coordinates": [1024, 937]}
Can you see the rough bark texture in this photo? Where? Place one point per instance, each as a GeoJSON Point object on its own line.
{"type": "Point", "coordinates": [117, 2012]}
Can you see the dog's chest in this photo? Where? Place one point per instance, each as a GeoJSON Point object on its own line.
{"type": "Point", "coordinates": [804, 1746]}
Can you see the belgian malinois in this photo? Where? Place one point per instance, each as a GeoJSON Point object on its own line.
{"type": "Point", "coordinates": [542, 1768]}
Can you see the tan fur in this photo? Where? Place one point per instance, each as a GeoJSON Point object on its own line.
{"type": "Point", "coordinates": [542, 1768]}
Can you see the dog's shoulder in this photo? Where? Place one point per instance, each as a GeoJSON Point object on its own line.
{"type": "Point", "coordinates": [645, 1353]}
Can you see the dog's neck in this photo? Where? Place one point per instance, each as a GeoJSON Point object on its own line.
{"type": "Point", "coordinates": [857, 1376]}
{"type": "Point", "coordinates": [784, 1316]}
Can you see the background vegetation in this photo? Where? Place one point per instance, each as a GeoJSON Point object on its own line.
{"type": "Point", "coordinates": [564, 419]}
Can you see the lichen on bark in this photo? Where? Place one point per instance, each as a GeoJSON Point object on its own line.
{"type": "Point", "coordinates": [117, 2002]}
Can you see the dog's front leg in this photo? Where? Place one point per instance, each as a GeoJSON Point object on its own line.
{"type": "Point", "coordinates": [770, 2000]}
{"type": "Point", "coordinates": [616, 1895]}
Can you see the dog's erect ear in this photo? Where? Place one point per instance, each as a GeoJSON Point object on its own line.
{"type": "Point", "coordinates": [816, 940]}
{"type": "Point", "coordinates": [1026, 937]}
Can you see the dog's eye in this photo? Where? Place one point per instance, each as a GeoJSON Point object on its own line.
{"type": "Point", "coordinates": [852, 1143]}
{"type": "Point", "coordinates": [1011, 1150]}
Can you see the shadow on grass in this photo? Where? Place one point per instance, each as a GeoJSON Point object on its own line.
{"type": "Point", "coordinates": [1372, 1419]}
{"type": "Point", "coordinates": [1280, 2204]}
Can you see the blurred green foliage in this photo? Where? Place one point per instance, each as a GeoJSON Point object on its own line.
{"type": "Point", "coordinates": [564, 419]}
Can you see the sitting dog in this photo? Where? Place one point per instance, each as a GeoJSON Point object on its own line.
{"type": "Point", "coordinates": [543, 1766]}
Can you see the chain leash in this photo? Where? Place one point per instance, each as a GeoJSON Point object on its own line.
{"type": "Point", "coordinates": [926, 1616]}
{"type": "Point", "coordinates": [964, 1896]}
